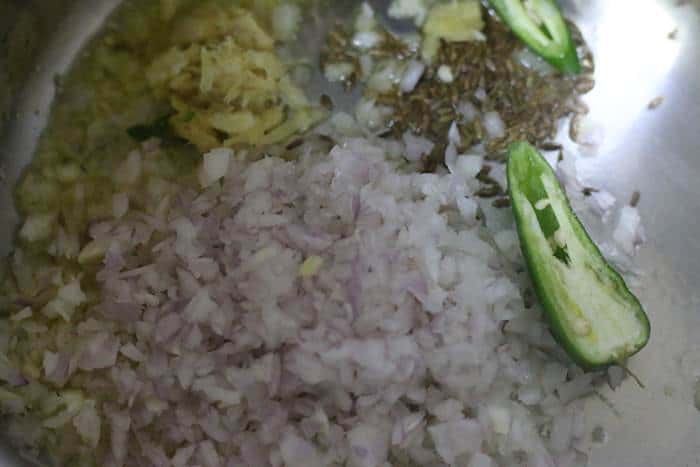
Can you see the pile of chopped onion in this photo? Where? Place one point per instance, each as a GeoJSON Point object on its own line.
{"type": "Point", "coordinates": [328, 311]}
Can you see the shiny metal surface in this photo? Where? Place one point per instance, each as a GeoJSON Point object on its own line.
{"type": "Point", "coordinates": [654, 151]}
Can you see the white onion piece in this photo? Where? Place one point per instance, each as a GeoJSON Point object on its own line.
{"type": "Point", "coordinates": [297, 452]}
{"type": "Point", "coordinates": [366, 65]}
{"type": "Point", "coordinates": [366, 40]}
{"type": "Point", "coordinates": [451, 157]}
{"type": "Point", "coordinates": [88, 424]}
{"type": "Point", "coordinates": [406, 9]}
{"type": "Point", "coordinates": [469, 166]}
{"type": "Point", "coordinates": [130, 170]}
{"type": "Point", "coordinates": [500, 419]}
{"type": "Point", "coordinates": [468, 208]}
{"type": "Point", "coordinates": [449, 409]}
{"type": "Point", "coordinates": [412, 75]}
{"type": "Point", "coordinates": [370, 114]}
{"type": "Point", "coordinates": [445, 74]}
{"type": "Point", "coordinates": [530, 60]}
{"type": "Point", "coordinates": [615, 376]}
{"type": "Point", "coordinates": [455, 438]}
{"type": "Point", "coordinates": [215, 166]}
{"type": "Point", "coordinates": [481, 460]}
{"type": "Point", "coordinates": [494, 125]}
{"type": "Point", "coordinates": [416, 146]}
{"type": "Point", "coordinates": [120, 205]}
{"type": "Point", "coordinates": [369, 445]}
{"type": "Point", "coordinates": [628, 233]}
{"type": "Point", "coordinates": [365, 20]}
{"type": "Point", "coordinates": [404, 427]}
{"type": "Point", "coordinates": [208, 455]}
{"type": "Point", "coordinates": [50, 362]}
{"type": "Point", "coordinates": [562, 432]}
{"type": "Point", "coordinates": [386, 76]}
{"type": "Point", "coordinates": [468, 111]}
{"type": "Point", "coordinates": [183, 455]}
{"type": "Point", "coordinates": [453, 135]}
{"type": "Point", "coordinates": [336, 72]}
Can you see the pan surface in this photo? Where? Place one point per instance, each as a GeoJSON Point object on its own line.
{"type": "Point", "coordinates": [645, 50]}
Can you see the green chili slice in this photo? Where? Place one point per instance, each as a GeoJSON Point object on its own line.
{"type": "Point", "coordinates": [590, 310]}
{"type": "Point", "coordinates": [541, 26]}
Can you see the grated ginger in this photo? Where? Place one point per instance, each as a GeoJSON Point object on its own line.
{"type": "Point", "coordinates": [225, 82]}
{"type": "Point", "coordinates": [458, 21]}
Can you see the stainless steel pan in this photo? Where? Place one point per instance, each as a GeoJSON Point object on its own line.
{"type": "Point", "coordinates": [644, 49]}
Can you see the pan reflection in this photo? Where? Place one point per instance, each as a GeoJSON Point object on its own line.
{"type": "Point", "coordinates": [635, 52]}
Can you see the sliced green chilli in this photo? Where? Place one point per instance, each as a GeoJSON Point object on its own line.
{"type": "Point", "coordinates": [541, 26]}
{"type": "Point", "coordinates": [590, 310]}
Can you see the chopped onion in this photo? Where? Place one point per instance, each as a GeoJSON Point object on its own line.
{"type": "Point", "coordinates": [215, 166]}
{"type": "Point", "coordinates": [468, 111]}
{"type": "Point", "coordinates": [500, 418]}
{"type": "Point", "coordinates": [369, 445]}
{"type": "Point", "coordinates": [628, 233]}
{"type": "Point", "coordinates": [453, 135]}
{"type": "Point", "coordinates": [481, 460]}
{"type": "Point", "coordinates": [416, 146]}
{"type": "Point", "coordinates": [451, 157]}
{"type": "Point", "coordinates": [297, 452]}
{"type": "Point", "coordinates": [371, 115]}
{"type": "Point", "coordinates": [534, 62]}
{"type": "Point", "coordinates": [183, 455]}
{"type": "Point", "coordinates": [366, 40]}
{"type": "Point", "coordinates": [445, 74]}
{"type": "Point", "coordinates": [208, 455]}
{"type": "Point", "coordinates": [332, 310]}
{"type": "Point", "coordinates": [366, 65]}
{"type": "Point", "coordinates": [385, 77]}
{"type": "Point", "coordinates": [412, 75]}
{"type": "Point", "coordinates": [365, 20]}
{"type": "Point", "coordinates": [406, 9]}
{"type": "Point", "coordinates": [603, 200]}
{"type": "Point", "coordinates": [494, 125]}
{"type": "Point", "coordinates": [455, 438]}
{"type": "Point", "coordinates": [615, 376]}
{"type": "Point", "coordinates": [120, 205]}
{"type": "Point", "coordinates": [88, 424]}
{"type": "Point", "coordinates": [336, 72]}
{"type": "Point", "coordinates": [130, 170]}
